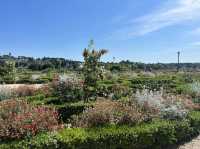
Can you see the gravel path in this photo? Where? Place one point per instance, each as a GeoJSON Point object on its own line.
{"type": "Point", "coordinates": [194, 144]}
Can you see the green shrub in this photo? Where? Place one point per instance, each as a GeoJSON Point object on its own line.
{"type": "Point", "coordinates": [183, 130]}
{"type": "Point", "coordinates": [194, 118]}
{"type": "Point", "coordinates": [157, 134]}
{"type": "Point", "coordinates": [38, 97]}
{"type": "Point", "coordinates": [67, 110]}
{"type": "Point", "coordinates": [153, 84]}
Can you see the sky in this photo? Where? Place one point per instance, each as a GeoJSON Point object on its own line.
{"type": "Point", "coordinates": [148, 31]}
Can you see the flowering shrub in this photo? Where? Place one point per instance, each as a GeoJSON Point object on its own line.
{"type": "Point", "coordinates": [19, 119]}
{"type": "Point", "coordinates": [68, 89]}
{"type": "Point", "coordinates": [109, 112]}
{"type": "Point", "coordinates": [194, 88]}
{"type": "Point", "coordinates": [168, 106]}
{"type": "Point", "coordinates": [5, 93]}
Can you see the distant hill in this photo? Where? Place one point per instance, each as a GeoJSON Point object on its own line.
{"type": "Point", "coordinates": [41, 63]}
{"type": "Point", "coordinates": [56, 63]}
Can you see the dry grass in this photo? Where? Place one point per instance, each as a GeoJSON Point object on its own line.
{"type": "Point", "coordinates": [8, 91]}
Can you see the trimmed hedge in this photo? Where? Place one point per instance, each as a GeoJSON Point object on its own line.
{"type": "Point", "coordinates": [153, 83]}
{"type": "Point", "coordinates": [67, 110]}
{"type": "Point", "coordinates": [157, 134]}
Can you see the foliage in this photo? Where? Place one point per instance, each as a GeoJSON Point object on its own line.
{"type": "Point", "coordinates": [19, 119]}
{"type": "Point", "coordinates": [91, 70]}
{"type": "Point", "coordinates": [194, 88]}
{"type": "Point", "coordinates": [153, 84]}
{"type": "Point", "coordinates": [119, 91]}
{"type": "Point", "coordinates": [194, 118]}
{"type": "Point", "coordinates": [67, 90]}
{"type": "Point", "coordinates": [6, 93]}
{"type": "Point", "coordinates": [157, 134]}
{"type": "Point", "coordinates": [169, 106]}
{"type": "Point", "coordinates": [66, 111]}
{"type": "Point", "coordinates": [106, 112]}
{"type": "Point", "coordinates": [33, 99]}
{"type": "Point", "coordinates": [112, 89]}
{"type": "Point", "coordinates": [133, 113]}
{"type": "Point", "coordinates": [41, 63]}
{"type": "Point", "coordinates": [38, 64]}
{"type": "Point", "coordinates": [7, 72]}
{"type": "Point", "coordinates": [46, 90]}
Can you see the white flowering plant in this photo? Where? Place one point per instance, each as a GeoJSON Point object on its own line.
{"type": "Point", "coordinates": [168, 106]}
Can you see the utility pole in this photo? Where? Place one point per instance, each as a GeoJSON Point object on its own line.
{"type": "Point", "coordinates": [178, 66]}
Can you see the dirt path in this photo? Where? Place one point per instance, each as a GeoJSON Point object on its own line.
{"type": "Point", "coordinates": [194, 144]}
{"type": "Point", "coordinates": [14, 86]}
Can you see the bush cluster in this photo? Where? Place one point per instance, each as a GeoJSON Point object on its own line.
{"type": "Point", "coordinates": [168, 106]}
{"type": "Point", "coordinates": [67, 90]}
{"type": "Point", "coordinates": [5, 93]}
{"type": "Point", "coordinates": [157, 134]}
{"type": "Point", "coordinates": [105, 112]}
{"type": "Point", "coordinates": [18, 119]}
{"type": "Point", "coordinates": [66, 111]}
{"type": "Point", "coordinates": [153, 83]}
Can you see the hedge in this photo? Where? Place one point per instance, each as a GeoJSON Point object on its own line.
{"type": "Point", "coordinates": [153, 83]}
{"type": "Point", "coordinates": [157, 134]}
{"type": "Point", "coordinates": [67, 110]}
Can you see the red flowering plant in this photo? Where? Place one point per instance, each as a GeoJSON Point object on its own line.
{"type": "Point", "coordinates": [18, 119]}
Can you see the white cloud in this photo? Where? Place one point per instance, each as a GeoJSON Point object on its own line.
{"type": "Point", "coordinates": [185, 10]}
{"type": "Point", "coordinates": [176, 12]}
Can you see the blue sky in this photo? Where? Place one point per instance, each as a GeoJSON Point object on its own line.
{"type": "Point", "coordinates": [138, 30]}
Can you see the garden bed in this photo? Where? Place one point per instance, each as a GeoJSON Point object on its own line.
{"type": "Point", "coordinates": [156, 134]}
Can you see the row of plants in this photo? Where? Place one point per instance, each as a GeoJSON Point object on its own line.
{"type": "Point", "coordinates": [156, 134]}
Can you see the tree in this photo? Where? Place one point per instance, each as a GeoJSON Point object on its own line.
{"type": "Point", "coordinates": [92, 70]}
